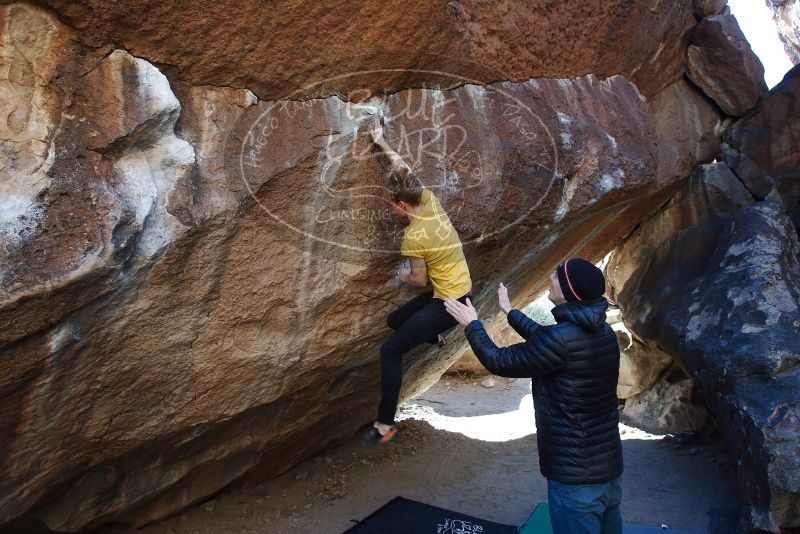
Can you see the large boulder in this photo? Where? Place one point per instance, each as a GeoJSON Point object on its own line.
{"type": "Point", "coordinates": [289, 47]}
{"type": "Point", "coordinates": [712, 190]}
{"type": "Point", "coordinates": [722, 298]}
{"type": "Point", "coordinates": [707, 8]}
{"type": "Point", "coordinates": [667, 407]}
{"type": "Point", "coordinates": [194, 278]}
{"type": "Point", "coordinates": [722, 64]}
{"type": "Point", "coordinates": [684, 119]}
{"type": "Point", "coordinates": [640, 366]}
{"type": "Point", "coordinates": [787, 18]}
{"type": "Point", "coordinates": [769, 137]}
{"type": "Point", "coordinates": [753, 176]}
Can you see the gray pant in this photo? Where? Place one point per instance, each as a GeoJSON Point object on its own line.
{"type": "Point", "coordinates": [585, 509]}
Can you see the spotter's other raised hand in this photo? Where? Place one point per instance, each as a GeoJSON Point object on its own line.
{"type": "Point", "coordinates": [502, 298]}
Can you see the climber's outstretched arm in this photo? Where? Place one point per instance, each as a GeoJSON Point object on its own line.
{"type": "Point", "coordinates": [399, 166]}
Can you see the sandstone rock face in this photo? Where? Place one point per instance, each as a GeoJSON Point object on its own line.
{"type": "Point", "coordinates": [770, 138]}
{"type": "Point", "coordinates": [684, 118]}
{"type": "Point", "coordinates": [722, 298]}
{"type": "Point", "coordinates": [712, 190]}
{"type": "Point", "coordinates": [707, 8]}
{"type": "Point", "coordinates": [71, 220]}
{"type": "Point", "coordinates": [640, 366]}
{"type": "Point", "coordinates": [722, 64]}
{"type": "Point", "coordinates": [31, 111]}
{"type": "Point", "coordinates": [787, 18]}
{"type": "Point", "coordinates": [194, 278]}
{"type": "Point", "coordinates": [278, 51]}
{"type": "Point", "coordinates": [666, 408]}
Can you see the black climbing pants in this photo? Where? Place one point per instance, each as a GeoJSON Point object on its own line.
{"type": "Point", "coordinates": [418, 321]}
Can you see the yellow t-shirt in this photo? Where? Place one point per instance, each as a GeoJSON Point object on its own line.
{"type": "Point", "coordinates": [431, 236]}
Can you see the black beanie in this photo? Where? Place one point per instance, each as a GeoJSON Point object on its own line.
{"type": "Point", "coordinates": [580, 280]}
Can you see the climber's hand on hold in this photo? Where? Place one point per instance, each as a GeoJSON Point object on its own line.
{"type": "Point", "coordinates": [463, 313]}
{"type": "Point", "coordinates": [377, 130]}
{"type": "Point", "coordinates": [404, 273]}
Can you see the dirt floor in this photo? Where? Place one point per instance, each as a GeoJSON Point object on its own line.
{"type": "Point", "coordinates": [469, 448]}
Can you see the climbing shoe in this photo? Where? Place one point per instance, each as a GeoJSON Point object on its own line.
{"type": "Point", "coordinates": [373, 436]}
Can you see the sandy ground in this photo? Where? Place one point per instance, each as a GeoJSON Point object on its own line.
{"type": "Point", "coordinates": [468, 448]}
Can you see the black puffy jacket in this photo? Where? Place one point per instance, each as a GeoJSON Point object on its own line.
{"type": "Point", "coordinates": [574, 365]}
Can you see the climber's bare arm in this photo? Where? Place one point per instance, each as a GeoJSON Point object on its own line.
{"type": "Point", "coordinates": [417, 275]}
{"type": "Point", "coordinates": [399, 166]}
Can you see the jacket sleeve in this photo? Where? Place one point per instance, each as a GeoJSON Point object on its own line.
{"type": "Point", "coordinates": [539, 355]}
{"type": "Point", "coordinates": [524, 325]}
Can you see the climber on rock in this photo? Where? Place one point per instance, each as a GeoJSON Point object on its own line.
{"type": "Point", "coordinates": [574, 365]}
{"type": "Point", "coordinates": [434, 253]}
